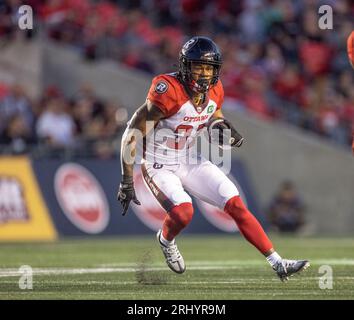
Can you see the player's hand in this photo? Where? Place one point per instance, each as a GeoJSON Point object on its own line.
{"type": "Point", "coordinates": [126, 193]}
{"type": "Point", "coordinates": [236, 139]}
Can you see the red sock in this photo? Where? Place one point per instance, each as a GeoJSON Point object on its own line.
{"type": "Point", "coordinates": [177, 219]}
{"type": "Point", "coordinates": [248, 224]}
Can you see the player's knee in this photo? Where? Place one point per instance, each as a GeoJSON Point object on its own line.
{"type": "Point", "coordinates": [235, 206]}
{"type": "Point", "coordinates": [182, 214]}
{"type": "Point", "coordinates": [180, 196]}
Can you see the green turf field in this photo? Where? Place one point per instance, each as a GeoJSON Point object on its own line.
{"type": "Point", "coordinates": [218, 267]}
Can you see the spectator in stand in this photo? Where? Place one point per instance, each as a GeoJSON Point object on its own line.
{"type": "Point", "coordinates": [85, 110]}
{"type": "Point", "coordinates": [286, 210]}
{"type": "Point", "coordinates": [289, 91]}
{"type": "Point", "coordinates": [82, 112]}
{"type": "Point", "coordinates": [103, 128]}
{"type": "Point", "coordinates": [55, 126]}
{"type": "Point", "coordinates": [273, 62]}
{"type": "Point", "coordinates": [254, 96]}
{"type": "Point", "coordinates": [17, 138]}
{"type": "Point", "coordinates": [289, 85]}
{"type": "Point", "coordinates": [16, 102]}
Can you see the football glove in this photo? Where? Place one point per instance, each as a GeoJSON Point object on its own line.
{"type": "Point", "coordinates": [126, 193]}
{"type": "Point", "coordinates": [218, 134]}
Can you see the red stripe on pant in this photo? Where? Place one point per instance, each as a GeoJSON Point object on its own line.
{"type": "Point", "coordinates": [178, 218]}
{"type": "Point", "coordinates": [248, 224]}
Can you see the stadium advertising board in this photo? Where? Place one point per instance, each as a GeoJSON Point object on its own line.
{"type": "Point", "coordinates": [23, 213]}
{"type": "Point", "coordinates": [81, 198]}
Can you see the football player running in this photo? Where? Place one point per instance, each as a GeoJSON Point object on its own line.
{"type": "Point", "coordinates": [182, 103]}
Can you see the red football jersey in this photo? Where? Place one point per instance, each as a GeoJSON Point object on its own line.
{"type": "Point", "coordinates": [183, 120]}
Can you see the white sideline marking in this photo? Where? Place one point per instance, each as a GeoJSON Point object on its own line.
{"type": "Point", "coordinates": [193, 265]}
{"type": "Point", "coordinates": [236, 263]}
{"type": "Point", "coordinates": [61, 271]}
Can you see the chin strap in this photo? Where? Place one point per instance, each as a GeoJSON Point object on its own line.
{"type": "Point", "coordinates": [200, 86]}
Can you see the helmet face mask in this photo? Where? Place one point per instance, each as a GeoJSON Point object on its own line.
{"type": "Point", "coordinates": [199, 50]}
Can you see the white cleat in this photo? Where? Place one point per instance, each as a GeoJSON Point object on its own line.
{"type": "Point", "coordinates": [286, 268]}
{"type": "Point", "coordinates": [173, 257]}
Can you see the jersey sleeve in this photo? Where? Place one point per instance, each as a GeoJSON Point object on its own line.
{"type": "Point", "coordinates": [163, 94]}
{"type": "Point", "coordinates": [220, 95]}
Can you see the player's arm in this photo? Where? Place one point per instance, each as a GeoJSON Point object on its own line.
{"type": "Point", "coordinates": [141, 123]}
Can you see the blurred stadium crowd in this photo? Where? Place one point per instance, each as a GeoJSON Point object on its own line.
{"type": "Point", "coordinates": [57, 126]}
{"type": "Point", "coordinates": [278, 63]}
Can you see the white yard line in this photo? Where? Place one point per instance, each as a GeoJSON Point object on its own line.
{"type": "Point", "coordinates": [61, 271]}
{"type": "Point", "coordinates": [234, 263]}
{"type": "Point", "coordinates": [193, 265]}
